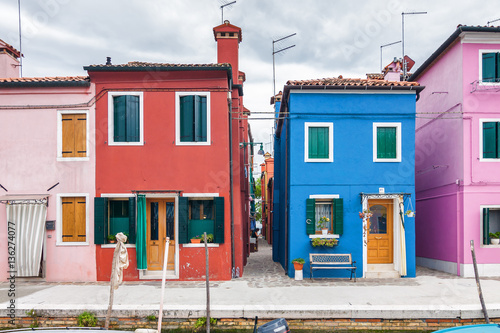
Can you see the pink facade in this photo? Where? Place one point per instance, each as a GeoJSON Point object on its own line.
{"type": "Point", "coordinates": [453, 180]}
{"type": "Point", "coordinates": [31, 165]}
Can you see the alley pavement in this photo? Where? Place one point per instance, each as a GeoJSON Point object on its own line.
{"type": "Point", "coordinates": [265, 291]}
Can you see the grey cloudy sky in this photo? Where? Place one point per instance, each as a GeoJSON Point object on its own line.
{"type": "Point", "coordinates": [334, 37]}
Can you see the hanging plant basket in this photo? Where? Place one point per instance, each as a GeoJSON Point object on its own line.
{"type": "Point", "coordinates": [324, 242]}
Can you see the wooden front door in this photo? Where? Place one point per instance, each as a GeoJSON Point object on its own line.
{"type": "Point", "coordinates": [380, 232]}
{"type": "Point", "coordinates": [160, 224]}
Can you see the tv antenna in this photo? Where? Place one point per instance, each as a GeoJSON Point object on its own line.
{"type": "Point", "coordinates": [488, 24]}
{"type": "Point", "coordinates": [403, 39]}
{"type": "Point", "coordinates": [225, 4]}
{"type": "Point", "coordinates": [278, 51]}
{"type": "Point", "coordinates": [20, 44]}
{"type": "Point", "coordinates": [382, 46]}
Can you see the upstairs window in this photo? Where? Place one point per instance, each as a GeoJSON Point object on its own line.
{"type": "Point", "coordinates": [387, 142]}
{"type": "Point", "coordinates": [72, 135]}
{"type": "Point", "coordinates": [318, 142]}
{"type": "Point", "coordinates": [490, 139]}
{"type": "Point", "coordinates": [125, 115]}
{"type": "Point", "coordinates": [490, 67]}
{"type": "Point", "coordinates": [193, 119]}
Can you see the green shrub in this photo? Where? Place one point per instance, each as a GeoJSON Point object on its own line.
{"type": "Point", "coordinates": [87, 319]}
{"type": "Point", "coordinates": [201, 322]}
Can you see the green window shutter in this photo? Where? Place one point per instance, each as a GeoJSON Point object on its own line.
{"type": "Point", "coordinates": [489, 71]}
{"type": "Point", "coordinates": [183, 220]}
{"type": "Point", "coordinates": [386, 142]}
{"type": "Point", "coordinates": [131, 219]}
{"type": "Point", "coordinates": [318, 142]}
{"type": "Point", "coordinates": [200, 118]}
{"type": "Point", "coordinates": [100, 220]}
{"type": "Point", "coordinates": [486, 226]}
{"type": "Point", "coordinates": [338, 206]}
{"type": "Point", "coordinates": [132, 119]}
{"type": "Point", "coordinates": [490, 139]}
{"type": "Point", "coordinates": [219, 220]}
{"type": "Point", "coordinates": [310, 216]}
{"type": "Point", "coordinates": [119, 118]}
{"type": "Point", "coordinates": [187, 118]}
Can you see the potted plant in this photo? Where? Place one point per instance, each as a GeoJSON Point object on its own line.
{"type": "Point", "coordinates": [210, 238]}
{"type": "Point", "coordinates": [298, 263]}
{"type": "Point", "coordinates": [410, 213]}
{"type": "Point", "coordinates": [366, 214]}
{"type": "Point", "coordinates": [323, 224]}
{"type": "Point", "coordinates": [196, 239]}
{"type": "Point", "coordinates": [327, 242]}
{"type": "Point", "coordinates": [495, 238]}
{"type": "Point", "coordinates": [111, 239]}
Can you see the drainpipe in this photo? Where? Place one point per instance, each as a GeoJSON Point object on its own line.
{"type": "Point", "coordinates": [231, 190]}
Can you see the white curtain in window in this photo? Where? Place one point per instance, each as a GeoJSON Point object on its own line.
{"type": "Point", "coordinates": [28, 219]}
{"type": "Point", "coordinates": [323, 210]}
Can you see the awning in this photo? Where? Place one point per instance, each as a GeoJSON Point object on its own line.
{"type": "Point", "coordinates": [24, 198]}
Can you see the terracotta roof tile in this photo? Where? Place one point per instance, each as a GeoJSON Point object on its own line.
{"type": "Point", "coordinates": [340, 81]}
{"type": "Point", "coordinates": [46, 79]}
{"type": "Point", "coordinates": [134, 64]}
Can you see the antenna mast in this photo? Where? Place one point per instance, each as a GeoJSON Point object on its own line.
{"type": "Point", "coordinates": [222, 8]}
{"type": "Point", "coordinates": [278, 51]}
{"type": "Point", "coordinates": [20, 44]}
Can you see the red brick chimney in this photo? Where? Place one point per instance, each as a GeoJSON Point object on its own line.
{"type": "Point", "coordinates": [9, 60]}
{"type": "Point", "coordinates": [228, 37]}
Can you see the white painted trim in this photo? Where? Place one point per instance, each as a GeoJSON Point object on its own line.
{"type": "Point", "coordinates": [481, 158]}
{"type": "Point", "coordinates": [199, 195]}
{"type": "Point", "coordinates": [324, 196]}
{"type": "Point", "coordinates": [178, 95]}
{"type": "Point", "coordinates": [398, 142]}
{"type": "Point", "coordinates": [483, 270]}
{"type": "Point", "coordinates": [480, 73]}
{"type": "Point", "coordinates": [324, 236]}
{"type": "Point", "coordinates": [112, 246]}
{"type": "Point", "coordinates": [320, 90]}
{"type": "Point", "coordinates": [59, 241]}
{"type": "Point", "coordinates": [480, 224]}
{"type": "Point", "coordinates": [160, 195]}
{"type": "Point", "coordinates": [306, 142]}
{"type": "Point", "coordinates": [200, 245]}
{"type": "Point", "coordinates": [60, 158]}
{"type": "Point", "coordinates": [116, 195]}
{"type": "Point", "coordinates": [471, 37]}
{"type": "Point", "coordinates": [111, 130]}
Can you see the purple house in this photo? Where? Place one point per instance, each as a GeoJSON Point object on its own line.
{"type": "Point", "coordinates": [457, 156]}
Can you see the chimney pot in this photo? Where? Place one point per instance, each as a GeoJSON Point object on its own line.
{"type": "Point", "coordinates": [108, 61]}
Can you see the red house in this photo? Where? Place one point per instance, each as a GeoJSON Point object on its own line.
{"type": "Point", "coordinates": [170, 159]}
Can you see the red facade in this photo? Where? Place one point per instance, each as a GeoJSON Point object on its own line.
{"type": "Point", "coordinates": [172, 167]}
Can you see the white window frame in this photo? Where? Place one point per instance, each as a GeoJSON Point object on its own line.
{"type": "Point", "coordinates": [324, 197]}
{"type": "Point", "coordinates": [398, 142]}
{"type": "Point", "coordinates": [481, 158]}
{"type": "Point", "coordinates": [59, 216]}
{"type": "Point", "coordinates": [307, 125]}
{"type": "Point", "coordinates": [60, 157]}
{"type": "Point", "coordinates": [481, 207]}
{"type": "Point", "coordinates": [480, 73]}
{"type": "Point", "coordinates": [111, 130]}
{"type": "Point", "coordinates": [200, 196]}
{"type": "Point", "coordinates": [178, 95]}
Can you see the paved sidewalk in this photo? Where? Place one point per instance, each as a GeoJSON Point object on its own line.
{"type": "Point", "coordinates": [266, 291]}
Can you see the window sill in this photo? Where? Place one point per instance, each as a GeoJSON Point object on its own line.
{"type": "Point", "coordinates": [73, 159]}
{"type": "Point", "coordinates": [72, 243]}
{"type": "Point", "coordinates": [388, 160]}
{"type": "Point", "coordinates": [199, 245]}
{"type": "Point", "coordinates": [112, 246]}
{"type": "Point", "coordinates": [324, 236]}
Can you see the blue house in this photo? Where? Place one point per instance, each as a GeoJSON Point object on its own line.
{"type": "Point", "coordinates": [343, 147]}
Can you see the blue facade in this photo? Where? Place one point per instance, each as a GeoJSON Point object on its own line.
{"type": "Point", "coordinates": [352, 171]}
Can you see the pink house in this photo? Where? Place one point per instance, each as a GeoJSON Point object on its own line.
{"type": "Point", "coordinates": [457, 157]}
{"type": "Point", "coordinates": [47, 174]}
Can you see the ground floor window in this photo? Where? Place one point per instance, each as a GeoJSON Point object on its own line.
{"type": "Point", "coordinates": [491, 223]}
{"type": "Point", "coordinates": [324, 213]}
{"type": "Point", "coordinates": [199, 215]}
{"type": "Point", "coordinates": [114, 215]}
{"type": "Point", "coordinates": [72, 219]}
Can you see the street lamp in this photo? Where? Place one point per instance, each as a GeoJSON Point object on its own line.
{"type": "Point", "coordinates": [261, 149]}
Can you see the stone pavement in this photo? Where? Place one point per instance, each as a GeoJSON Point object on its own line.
{"type": "Point", "coordinates": [265, 291]}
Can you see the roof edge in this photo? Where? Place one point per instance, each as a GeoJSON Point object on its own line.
{"type": "Point", "coordinates": [45, 84]}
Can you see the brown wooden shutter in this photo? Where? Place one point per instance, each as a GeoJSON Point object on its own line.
{"type": "Point", "coordinates": [74, 135]}
{"type": "Point", "coordinates": [74, 217]}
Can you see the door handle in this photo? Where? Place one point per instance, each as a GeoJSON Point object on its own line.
{"type": "Point", "coordinates": [378, 237]}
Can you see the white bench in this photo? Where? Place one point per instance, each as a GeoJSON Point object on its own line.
{"type": "Point", "coordinates": [332, 261]}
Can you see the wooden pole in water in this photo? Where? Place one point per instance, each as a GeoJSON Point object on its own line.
{"type": "Point", "coordinates": [478, 284]}
{"type": "Point", "coordinates": [207, 281]}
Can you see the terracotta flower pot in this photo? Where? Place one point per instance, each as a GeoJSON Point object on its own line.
{"type": "Point", "coordinates": [193, 240]}
{"type": "Point", "coordinates": [297, 266]}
